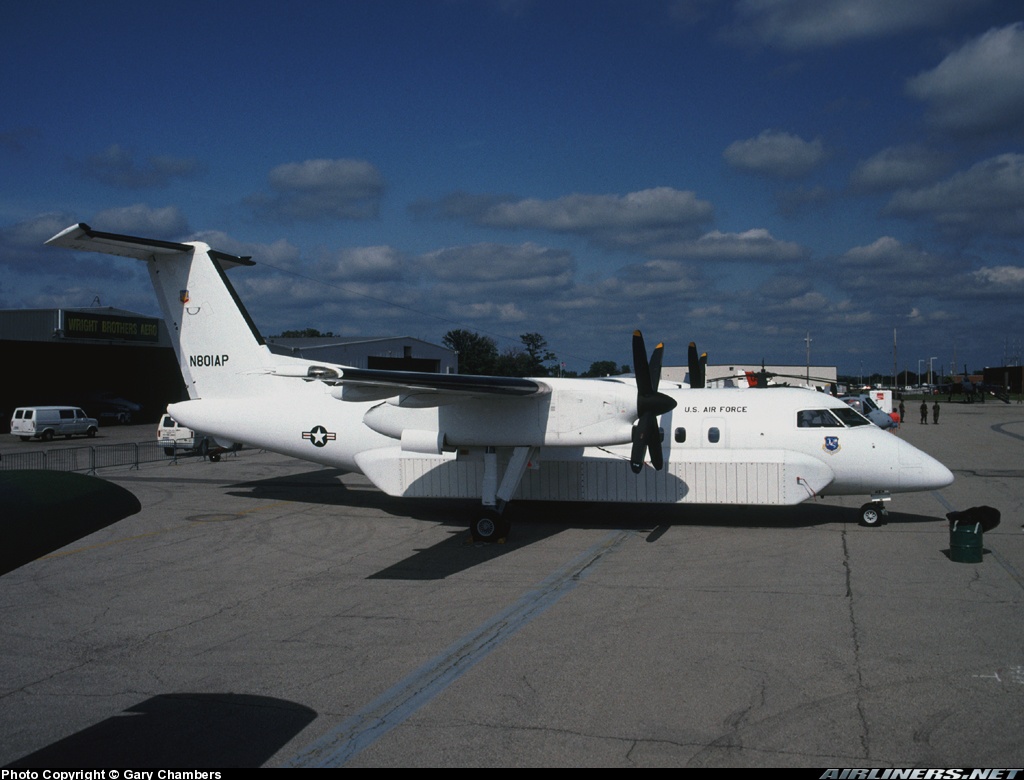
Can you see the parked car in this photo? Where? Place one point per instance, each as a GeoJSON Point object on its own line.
{"type": "Point", "coordinates": [45, 422]}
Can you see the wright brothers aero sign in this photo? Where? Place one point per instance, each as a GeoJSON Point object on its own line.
{"type": "Point", "coordinates": [79, 325]}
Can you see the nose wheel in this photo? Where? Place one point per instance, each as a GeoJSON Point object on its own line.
{"type": "Point", "coordinates": [873, 514]}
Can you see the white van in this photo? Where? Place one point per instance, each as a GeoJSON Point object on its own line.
{"type": "Point", "coordinates": [45, 422]}
{"type": "Point", "coordinates": [173, 436]}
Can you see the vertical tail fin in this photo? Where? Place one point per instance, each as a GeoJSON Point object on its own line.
{"type": "Point", "coordinates": [217, 345]}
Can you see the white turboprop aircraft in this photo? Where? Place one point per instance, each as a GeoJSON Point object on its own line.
{"type": "Point", "coordinates": [497, 438]}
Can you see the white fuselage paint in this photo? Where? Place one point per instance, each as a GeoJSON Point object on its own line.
{"type": "Point", "coordinates": [729, 436]}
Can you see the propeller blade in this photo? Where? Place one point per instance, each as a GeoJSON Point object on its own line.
{"type": "Point", "coordinates": [641, 366]}
{"type": "Point", "coordinates": [639, 451]}
{"type": "Point", "coordinates": [646, 439]}
{"type": "Point", "coordinates": [655, 366]}
{"type": "Point", "coordinates": [696, 365]}
{"type": "Point", "coordinates": [654, 444]}
{"type": "Point", "coordinates": [650, 404]}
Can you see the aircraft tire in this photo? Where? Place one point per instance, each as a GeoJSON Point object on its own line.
{"type": "Point", "coordinates": [215, 457]}
{"type": "Point", "coordinates": [488, 526]}
{"type": "Point", "coordinates": [871, 515]}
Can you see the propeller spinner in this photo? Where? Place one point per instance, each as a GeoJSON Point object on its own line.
{"type": "Point", "coordinates": [650, 404]}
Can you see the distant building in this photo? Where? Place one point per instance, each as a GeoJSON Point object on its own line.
{"type": "Point", "coordinates": [1010, 377]}
{"type": "Point", "coordinates": [734, 375]}
{"type": "Point", "coordinates": [120, 365]}
{"type": "Point", "coordinates": [115, 364]}
{"type": "Point", "coordinates": [400, 353]}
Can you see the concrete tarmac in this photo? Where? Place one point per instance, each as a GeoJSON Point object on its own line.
{"type": "Point", "coordinates": [266, 611]}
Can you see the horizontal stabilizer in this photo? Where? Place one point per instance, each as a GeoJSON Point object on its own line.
{"type": "Point", "coordinates": [83, 238]}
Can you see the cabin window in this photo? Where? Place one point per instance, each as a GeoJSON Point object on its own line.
{"type": "Point", "coordinates": [67, 414]}
{"type": "Point", "coordinates": [816, 418]}
{"type": "Point", "coordinates": [714, 435]}
{"type": "Point", "coordinates": [680, 435]}
{"type": "Point", "coordinates": [17, 414]}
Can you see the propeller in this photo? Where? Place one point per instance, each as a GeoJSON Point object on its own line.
{"type": "Point", "coordinates": [650, 404]}
{"type": "Point", "coordinates": [698, 366]}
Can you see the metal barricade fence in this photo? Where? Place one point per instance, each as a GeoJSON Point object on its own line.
{"type": "Point", "coordinates": [89, 459]}
{"type": "Point", "coordinates": [70, 459]}
{"type": "Point", "coordinates": [20, 461]}
{"type": "Point", "coordinates": [117, 455]}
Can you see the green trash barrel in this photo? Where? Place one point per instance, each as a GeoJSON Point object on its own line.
{"type": "Point", "coordinates": [965, 541]}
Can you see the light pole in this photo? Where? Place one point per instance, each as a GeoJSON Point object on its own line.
{"type": "Point", "coordinates": [930, 370]}
{"type": "Point", "coordinates": [919, 362]}
{"type": "Point", "coordinates": [808, 341]}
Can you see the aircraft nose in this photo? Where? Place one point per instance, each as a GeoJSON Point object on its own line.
{"type": "Point", "coordinates": [920, 471]}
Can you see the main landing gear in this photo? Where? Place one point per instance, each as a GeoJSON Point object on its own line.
{"type": "Point", "coordinates": [874, 513]}
{"type": "Point", "coordinates": [488, 524]}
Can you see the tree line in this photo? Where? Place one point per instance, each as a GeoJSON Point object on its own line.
{"type": "Point", "coordinates": [479, 355]}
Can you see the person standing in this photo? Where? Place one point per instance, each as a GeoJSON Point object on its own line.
{"type": "Point", "coordinates": [935, 413]}
{"type": "Point", "coordinates": [924, 412]}
{"type": "Point", "coordinates": [903, 412]}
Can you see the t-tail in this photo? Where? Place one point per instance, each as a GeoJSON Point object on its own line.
{"type": "Point", "coordinates": [219, 350]}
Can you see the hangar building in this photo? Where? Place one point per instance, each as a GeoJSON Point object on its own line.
{"type": "Point", "coordinates": [119, 365]}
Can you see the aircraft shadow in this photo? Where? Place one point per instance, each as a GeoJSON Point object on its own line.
{"type": "Point", "coordinates": [181, 730]}
{"type": "Point", "coordinates": [46, 510]}
{"type": "Point", "coordinates": [534, 521]}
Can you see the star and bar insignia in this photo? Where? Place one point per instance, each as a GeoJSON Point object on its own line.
{"type": "Point", "coordinates": [319, 436]}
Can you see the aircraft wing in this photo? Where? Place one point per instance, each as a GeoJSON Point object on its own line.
{"type": "Point", "coordinates": [368, 384]}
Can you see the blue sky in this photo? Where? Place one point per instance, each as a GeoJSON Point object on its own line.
{"type": "Point", "coordinates": [736, 173]}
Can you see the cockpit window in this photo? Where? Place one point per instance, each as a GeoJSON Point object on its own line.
{"type": "Point", "coordinates": [850, 417]}
{"type": "Point", "coordinates": [816, 418]}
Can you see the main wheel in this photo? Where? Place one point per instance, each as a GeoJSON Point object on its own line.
{"type": "Point", "coordinates": [47, 435]}
{"type": "Point", "coordinates": [489, 526]}
{"type": "Point", "coordinates": [872, 515]}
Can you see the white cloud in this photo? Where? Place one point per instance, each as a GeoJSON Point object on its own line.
{"type": "Point", "coordinates": [898, 166]}
{"type": "Point", "coordinates": [751, 246]}
{"type": "Point", "coordinates": [321, 189]}
{"type": "Point", "coordinates": [776, 154]}
{"type": "Point", "coordinates": [636, 219]}
{"type": "Point", "coordinates": [367, 263]}
{"type": "Point", "coordinates": [986, 198]}
{"type": "Point", "coordinates": [980, 87]}
{"type": "Point", "coordinates": [1009, 275]}
{"type": "Point", "coordinates": [812, 24]}
{"type": "Point", "coordinates": [116, 166]}
{"type": "Point", "coordinates": [654, 208]}
{"type": "Point", "coordinates": [888, 268]}
{"type": "Point", "coordinates": [139, 219]}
